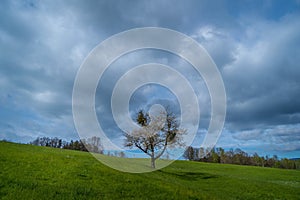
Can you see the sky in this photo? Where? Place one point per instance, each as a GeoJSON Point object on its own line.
{"type": "Point", "coordinates": [255, 45]}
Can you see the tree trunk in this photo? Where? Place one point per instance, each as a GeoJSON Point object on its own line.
{"type": "Point", "coordinates": [153, 162]}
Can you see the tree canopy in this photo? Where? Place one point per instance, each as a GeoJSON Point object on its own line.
{"type": "Point", "coordinates": [155, 134]}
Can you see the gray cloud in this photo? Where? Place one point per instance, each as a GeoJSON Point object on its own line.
{"type": "Point", "coordinates": [256, 47]}
{"type": "Point", "coordinates": [263, 80]}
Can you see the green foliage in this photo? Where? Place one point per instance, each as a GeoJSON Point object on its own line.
{"type": "Point", "coordinates": [33, 172]}
{"type": "Point", "coordinates": [142, 118]}
{"type": "Point", "coordinates": [238, 157]}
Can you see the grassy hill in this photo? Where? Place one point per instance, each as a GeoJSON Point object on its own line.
{"type": "Point", "coordinates": [31, 172]}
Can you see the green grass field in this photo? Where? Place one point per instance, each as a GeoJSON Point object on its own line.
{"type": "Point", "coordinates": [31, 172]}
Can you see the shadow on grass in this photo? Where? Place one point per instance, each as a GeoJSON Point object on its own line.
{"type": "Point", "coordinates": [191, 176]}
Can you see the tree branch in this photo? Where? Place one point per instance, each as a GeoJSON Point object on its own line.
{"type": "Point", "coordinates": [138, 146]}
{"type": "Point", "coordinates": [162, 152]}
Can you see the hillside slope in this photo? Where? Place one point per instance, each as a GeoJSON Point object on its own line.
{"type": "Point", "coordinates": [31, 172]}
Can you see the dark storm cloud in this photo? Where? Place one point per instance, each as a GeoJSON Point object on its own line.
{"type": "Point", "coordinates": [263, 82]}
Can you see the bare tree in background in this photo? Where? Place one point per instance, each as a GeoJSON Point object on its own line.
{"type": "Point", "coordinates": [155, 134]}
{"type": "Point", "coordinates": [93, 144]}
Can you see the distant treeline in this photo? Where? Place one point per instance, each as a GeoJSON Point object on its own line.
{"type": "Point", "coordinates": [216, 155]}
{"type": "Point", "coordinates": [92, 144]}
{"type": "Point", "coordinates": [239, 157]}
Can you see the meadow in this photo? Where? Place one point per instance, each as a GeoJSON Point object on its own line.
{"type": "Point", "coordinates": [32, 172]}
